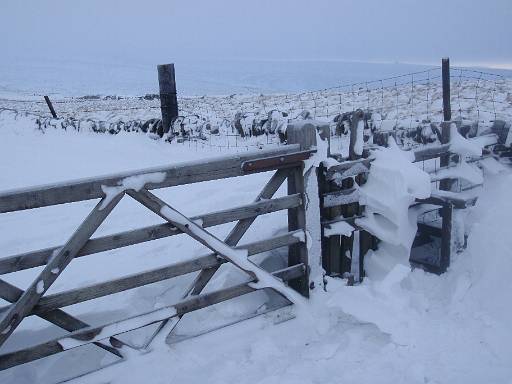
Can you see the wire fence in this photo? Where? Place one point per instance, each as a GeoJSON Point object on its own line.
{"type": "Point", "coordinates": [409, 105]}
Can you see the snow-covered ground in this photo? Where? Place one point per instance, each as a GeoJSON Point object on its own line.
{"type": "Point", "coordinates": [410, 327]}
{"type": "Point", "coordinates": [29, 157]}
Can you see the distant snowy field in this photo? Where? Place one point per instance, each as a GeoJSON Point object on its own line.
{"type": "Point", "coordinates": [194, 78]}
{"type": "Point", "coordinates": [411, 327]}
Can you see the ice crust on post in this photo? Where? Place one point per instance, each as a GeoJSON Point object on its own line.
{"type": "Point", "coordinates": [339, 228]}
{"type": "Point", "coordinates": [358, 146]}
{"type": "Point", "coordinates": [313, 234]}
{"type": "Point", "coordinates": [393, 184]}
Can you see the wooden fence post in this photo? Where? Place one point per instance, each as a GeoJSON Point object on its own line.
{"type": "Point", "coordinates": [446, 184]}
{"type": "Point", "coordinates": [354, 135]}
{"type": "Point", "coordinates": [331, 246]}
{"type": "Point", "coordinates": [50, 106]}
{"type": "Point", "coordinates": [445, 68]}
{"type": "Point", "coordinates": [168, 98]}
{"type": "Point", "coordinates": [446, 237]}
{"type": "Point", "coordinates": [447, 116]}
{"type": "Point", "coordinates": [303, 134]}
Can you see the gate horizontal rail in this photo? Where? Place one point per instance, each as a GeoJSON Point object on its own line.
{"type": "Point", "coordinates": [288, 156]}
{"type": "Point", "coordinates": [99, 333]}
{"type": "Point", "coordinates": [136, 236]}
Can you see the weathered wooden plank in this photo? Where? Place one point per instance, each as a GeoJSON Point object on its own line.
{"type": "Point", "coordinates": [58, 317]}
{"type": "Point", "coordinates": [271, 306]}
{"type": "Point", "coordinates": [122, 239]}
{"type": "Point", "coordinates": [178, 174]}
{"type": "Point", "coordinates": [274, 162]}
{"type": "Point", "coordinates": [434, 151]}
{"type": "Point", "coordinates": [444, 160]}
{"type": "Point", "coordinates": [349, 168]}
{"type": "Point", "coordinates": [102, 332]}
{"type": "Point", "coordinates": [341, 197]}
{"type": "Point", "coordinates": [446, 238]}
{"type": "Point", "coordinates": [331, 246]}
{"type": "Point", "coordinates": [306, 136]}
{"type": "Point", "coordinates": [429, 230]}
{"type": "Point", "coordinates": [78, 295]}
{"type": "Point", "coordinates": [446, 197]}
{"type": "Point", "coordinates": [302, 133]}
{"type": "Point", "coordinates": [431, 152]}
{"type": "Point", "coordinates": [11, 318]}
{"type": "Point", "coordinates": [366, 243]}
{"type": "Point", "coordinates": [168, 98]}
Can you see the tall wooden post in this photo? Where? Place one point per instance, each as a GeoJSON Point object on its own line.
{"type": "Point", "coordinates": [168, 98]}
{"type": "Point", "coordinates": [447, 110]}
{"type": "Point", "coordinates": [305, 136]}
{"type": "Point", "coordinates": [447, 116]}
{"type": "Point", "coordinates": [446, 184]}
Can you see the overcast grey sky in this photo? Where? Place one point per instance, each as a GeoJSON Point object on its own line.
{"type": "Point", "coordinates": [420, 31]}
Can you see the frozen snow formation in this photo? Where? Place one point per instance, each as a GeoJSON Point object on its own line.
{"type": "Point", "coordinates": [393, 185]}
{"type": "Point", "coordinates": [136, 183]}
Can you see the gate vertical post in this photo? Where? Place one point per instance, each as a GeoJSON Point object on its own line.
{"type": "Point", "coordinates": [303, 134]}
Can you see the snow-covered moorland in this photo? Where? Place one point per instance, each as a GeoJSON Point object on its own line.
{"type": "Point", "coordinates": [406, 103]}
{"type": "Point", "coordinates": [401, 327]}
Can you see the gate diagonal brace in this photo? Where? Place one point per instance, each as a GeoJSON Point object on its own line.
{"type": "Point", "coordinates": [12, 317]}
{"type": "Point", "coordinates": [237, 257]}
{"type": "Point", "coordinates": [232, 239]}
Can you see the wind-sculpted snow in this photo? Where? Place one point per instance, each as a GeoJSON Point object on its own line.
{"type": "Point", "coordinates": [394, 183]}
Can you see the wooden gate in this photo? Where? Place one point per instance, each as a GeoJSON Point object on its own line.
{"type": "Point", "coordinates": [286, 161]}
